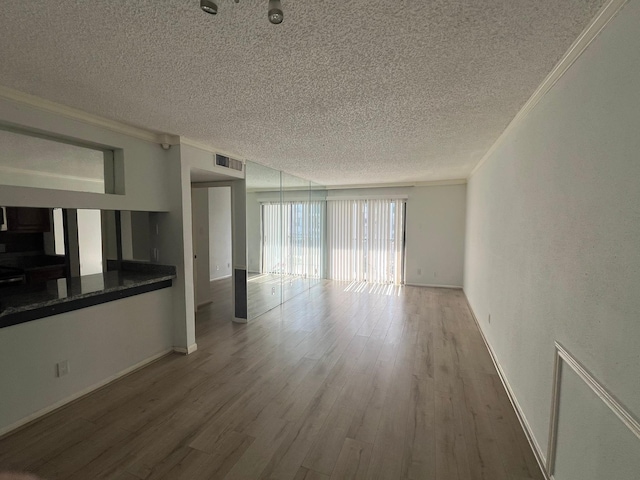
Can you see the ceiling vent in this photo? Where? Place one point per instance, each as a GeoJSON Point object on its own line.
{"type": "Point", "coordinates": [227, 162]}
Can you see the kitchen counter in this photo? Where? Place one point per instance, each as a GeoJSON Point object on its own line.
{"type": "Point", "coordinates": [25, 303]}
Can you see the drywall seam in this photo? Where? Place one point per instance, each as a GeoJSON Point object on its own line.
{"type": "Point", "coordinates": [604, 16]}
{"type": "Point", "coordinates": [564, 357]}
{"type": "Point", "coordinates": [524, 423]}
{"type": "Point", "coordinates": [42, 412]}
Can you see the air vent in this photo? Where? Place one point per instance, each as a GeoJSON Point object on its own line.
{"type": "Point", "coordinates": [227, 162]}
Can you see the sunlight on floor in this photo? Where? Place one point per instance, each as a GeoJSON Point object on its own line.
{"type": "Point", "coordinates": [374, 288]}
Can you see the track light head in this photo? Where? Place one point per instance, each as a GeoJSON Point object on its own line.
{"type": "Point", "coordinates": [275, 12]}
{"type": "Point", "coordinates": [209, 7]}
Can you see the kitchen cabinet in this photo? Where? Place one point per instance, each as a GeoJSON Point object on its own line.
{"type": "Point", "coordinates": [28, 220]}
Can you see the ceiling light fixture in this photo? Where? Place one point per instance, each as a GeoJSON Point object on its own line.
{"type": "Point", "coordinates": [209, 7]}
{"type": "Point", "coordinates": [275, 12]}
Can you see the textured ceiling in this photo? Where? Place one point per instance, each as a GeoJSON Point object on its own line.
{"type": "Point", "coordinates": [342, 92]}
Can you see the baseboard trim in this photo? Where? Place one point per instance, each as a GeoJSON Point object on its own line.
{"type": "Point", "coordinates": [186, 351]}
{"type": "Point", "coordinates": [524, 423]}
{"type": "Point", "coordinates": [200, 305]}
{"type": "Point", "coordinates": [76, 396]}
{"type": "Point", "coordinates": [433, 285]}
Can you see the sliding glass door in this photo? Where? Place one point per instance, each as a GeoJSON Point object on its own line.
{"type": "Point", "coordinates": [365, 240]}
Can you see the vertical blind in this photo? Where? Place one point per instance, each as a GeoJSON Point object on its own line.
{"type": "Point", "coordinates": [365, 240]}
{"type": "Point", "coordinates": [292, 238]}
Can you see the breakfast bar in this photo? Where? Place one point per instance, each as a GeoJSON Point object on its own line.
{"type": "Point", "coordinates": [25, 303]}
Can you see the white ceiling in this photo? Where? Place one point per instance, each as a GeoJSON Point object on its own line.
{"type": "Point", "coordinates": [343, 92]}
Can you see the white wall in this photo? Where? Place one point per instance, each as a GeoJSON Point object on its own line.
{"type": "Point", "coordinates": [553, 222]}
{"type": "Point", "coordinates": [435, 230]}
{"type": "Point", "coordinates": [219, 199]}
{"type": "Point", "coordinates": [99, 343]}
{"type": "Point", "coordinates": [200, 212]}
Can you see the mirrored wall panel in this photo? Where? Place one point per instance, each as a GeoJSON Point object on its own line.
{"type": "Point", "coordinates": [285, 230]}
{"type": "Point", "coordinates": [31, 160]}
{"type": "Point", "coordinates": [264, 239]}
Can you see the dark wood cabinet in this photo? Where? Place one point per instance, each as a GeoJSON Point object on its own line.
{"type": "Point", "coordinates": [28, 220]}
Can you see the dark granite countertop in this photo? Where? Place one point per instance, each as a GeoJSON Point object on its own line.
{"type": "Point", "coordinates": [24, 303]}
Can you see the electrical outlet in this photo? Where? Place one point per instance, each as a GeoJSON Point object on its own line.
{"type": "Point", "coordinates": [62, 368]}
{"type": "Point", "coordinates": [419, 271]}
{"type": "Point", "coordinates": [228, 265]}
{"type": "Point", "coordinates": [217, 267]}
{"type": "Point", "coordinates": [273, 290]}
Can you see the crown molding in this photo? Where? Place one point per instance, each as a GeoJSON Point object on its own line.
{"type": "Point", "coordinates": [601, 20]}
{"type": "Point", "coordinates": [88, 118]}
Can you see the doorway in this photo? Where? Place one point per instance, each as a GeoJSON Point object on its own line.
{"type": "Point", "coordinates": [212, 248]}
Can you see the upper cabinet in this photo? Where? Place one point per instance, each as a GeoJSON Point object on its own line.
{"type": "Point", "coordinates": [28, 220]}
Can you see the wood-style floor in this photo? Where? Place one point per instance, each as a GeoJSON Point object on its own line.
{"type": "Point", "coordinates": [334, 384]}
{"type": "Point", "coordinates": [266, 291]}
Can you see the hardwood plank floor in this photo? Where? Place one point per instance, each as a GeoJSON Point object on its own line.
{"type": "Point", "coordinates": [341, 381]}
